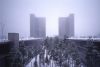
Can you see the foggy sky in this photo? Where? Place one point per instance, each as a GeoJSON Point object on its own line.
{"type": "Point", "coordinates": [15, 14]}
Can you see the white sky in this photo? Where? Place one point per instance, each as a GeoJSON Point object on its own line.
{"type": "Point", "coordinates": [15, 15]}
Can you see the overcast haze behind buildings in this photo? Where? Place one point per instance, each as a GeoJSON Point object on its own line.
{"type": "Point", "coordinates": [15, 15]}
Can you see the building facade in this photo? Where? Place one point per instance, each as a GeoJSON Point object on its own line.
{"type": "Point", "coordinates": [66, 26]}
{"type": "Point", "coordinates": [37, 26]}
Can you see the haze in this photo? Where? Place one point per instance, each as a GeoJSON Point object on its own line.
{"type": "Point", "coordinates": [15, 15]}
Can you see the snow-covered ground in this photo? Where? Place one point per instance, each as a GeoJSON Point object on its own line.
{"type": "Point", "coordinates": [31, 63]}
{"type": "Point", "coordinates": [4, 40]}
{"type": "Point", "coordinates": [52, 63]}
{"type": "Point", "coordinates": [96, 39]}
{"type": "Point", "coordinates": [29, 38]}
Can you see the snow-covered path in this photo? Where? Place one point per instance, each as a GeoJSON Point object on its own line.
{"type": "Point", "coordinates": [31, 64]}
{"type": "Point", "coordinates": [52, 63]}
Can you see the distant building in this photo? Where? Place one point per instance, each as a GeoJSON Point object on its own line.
{"type": "Point", "coordinates": [37, 26]}
{"type": "Point", "coordinates": [63, 26]}
{"type": "Point", "coordinates": [66, 26]}
{"type": "Point", "coordinates": [71, 22]}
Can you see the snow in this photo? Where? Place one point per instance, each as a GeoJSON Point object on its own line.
{"type": "Point", "coordinates": [31, 63]}
{"type": "Point", "coordinates": [3, 40]}
{"type": "Point", "coordinates": [95, 39]}
{"type": "Point", "coordinates": [29, 38]}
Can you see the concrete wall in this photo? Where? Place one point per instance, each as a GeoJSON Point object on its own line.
{"type": "Point", "coordinates": [42, 26]}
{"type": "Point", "coordinates": [62, 26]}
{"type": "Point", "coordinates": [33, 26]}
{"type": "Point", "coordinates": [66, 26]}
{"type": "Point", "coordinates": [71, 25]}
{"type": "Point", "coordinates": [4, 50]}
{"type": "Point", "coordinates": [37, 26]}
